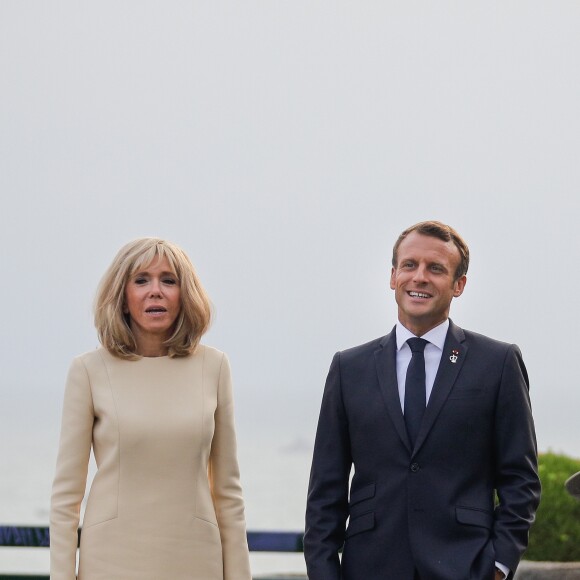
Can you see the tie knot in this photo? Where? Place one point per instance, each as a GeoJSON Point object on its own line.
{"type": "Point", "coordinates": [417, 344]}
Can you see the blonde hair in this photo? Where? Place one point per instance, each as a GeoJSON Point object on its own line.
{"type": "Point", "coordinates": [113, 325]}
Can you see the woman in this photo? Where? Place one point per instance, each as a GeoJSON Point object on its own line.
{"type": "Point", "coordinates": [156, 407]}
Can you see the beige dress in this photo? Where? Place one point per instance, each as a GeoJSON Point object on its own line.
{"type": "Point", "coordinates": [166, 502]}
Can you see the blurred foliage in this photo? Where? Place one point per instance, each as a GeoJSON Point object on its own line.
{"type": "Point", "coordinates": [555, 535]}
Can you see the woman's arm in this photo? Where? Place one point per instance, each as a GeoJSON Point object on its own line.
{"type": "Point", "coordinates": [71, 472]}
{"type": "Point", "coordinates": [225, 484]}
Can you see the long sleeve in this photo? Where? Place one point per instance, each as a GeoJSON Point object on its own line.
{"type": "Point", "coordinates": [71, 472]}
{"type": "Point", "coordinates": [327, 507]}
{"type": "Point", "coordinates": [518, 484]}
{"type": "Point", "coordinates": [225, 483]}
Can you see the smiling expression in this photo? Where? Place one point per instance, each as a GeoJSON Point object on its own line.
{"type": "Point", "coordinates": [153, 303]}
{"type": "Point", "coordinates": [424, 281]}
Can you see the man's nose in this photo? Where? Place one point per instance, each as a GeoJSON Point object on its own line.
{"type": "Point", "coordinates": [420, 274]}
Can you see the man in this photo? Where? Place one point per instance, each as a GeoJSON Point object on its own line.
{"type": "Point", "coordinates": [573, 485]}
{"type": "Point", "coordinates": [434, 429]}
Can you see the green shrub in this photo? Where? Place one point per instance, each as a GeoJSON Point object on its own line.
{"type": "Point", "coordinates": [555, 535]}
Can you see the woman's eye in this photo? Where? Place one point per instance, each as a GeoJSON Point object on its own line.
{"type": "Point", "coordinates": [170, 281]}
{"type": "Point", "coordinates": [140, 281]}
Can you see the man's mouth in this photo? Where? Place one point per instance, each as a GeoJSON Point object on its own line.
{"type": "Point", "coordinates": [413, 294]}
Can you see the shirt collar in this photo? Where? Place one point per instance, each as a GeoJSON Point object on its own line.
{"type": "Point", "coordinates": [435, 336]}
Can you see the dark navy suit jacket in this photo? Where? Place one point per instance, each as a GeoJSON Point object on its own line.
{"type": "Point", "coordinates": [432, 509]}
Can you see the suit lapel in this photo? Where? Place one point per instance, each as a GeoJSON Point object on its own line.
{"type": "Point", "coordinates": [444, 380]}
{"type": "Point", "coordinates": [385, 360]}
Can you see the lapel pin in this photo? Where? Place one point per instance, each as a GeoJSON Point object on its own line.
{"type": "Point", "coordinates": [454, 356]}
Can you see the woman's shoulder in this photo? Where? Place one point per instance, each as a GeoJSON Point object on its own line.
{"type": "Point", "coordinates": [89, 359]}
{"type": "Point", "coordinates": [213, 359]}
{"type": "Point", "coordinates": [90, 355]}
{"type": "Point", "coordinates": [210, 354]}
{"type": "Point", "coordinates": [207, 350]}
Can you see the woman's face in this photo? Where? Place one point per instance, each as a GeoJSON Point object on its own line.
{"type": "Point", "coordinates": [153, 302]}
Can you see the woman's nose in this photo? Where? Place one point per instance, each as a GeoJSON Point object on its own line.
{"type": "Point", "coordinates": [155, 289]}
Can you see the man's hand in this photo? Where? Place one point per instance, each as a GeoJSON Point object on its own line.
{"type": "Point", "coordinates": [499, 575]}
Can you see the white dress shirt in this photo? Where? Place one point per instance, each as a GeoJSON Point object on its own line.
{"type": "Point", "coordinates": [433, 351]}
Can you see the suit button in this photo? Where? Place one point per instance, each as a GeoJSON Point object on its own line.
{"type": "Point", "coordinates": [415, 467]}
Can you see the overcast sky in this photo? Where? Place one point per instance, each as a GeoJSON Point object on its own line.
{"type": "Point", "coordinates": [284, 146]}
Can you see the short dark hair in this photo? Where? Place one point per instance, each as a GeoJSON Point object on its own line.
{"type": "Point", "coordinates": [443, 232]}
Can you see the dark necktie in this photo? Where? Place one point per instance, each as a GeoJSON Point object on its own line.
{"type": "Point", "coordinates": [415, 397]}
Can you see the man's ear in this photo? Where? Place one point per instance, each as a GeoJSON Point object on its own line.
{"type": "Point", "coordinates": [393, 278]}
{"type": "Point", "coordinates": [459, 286]}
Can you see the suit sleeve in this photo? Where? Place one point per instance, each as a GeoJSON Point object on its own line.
{"type": "Point", "coordinates": [224, 475]}
{"type": "Point", "coordinates": [327, 505]}
{"type": "Point", "coordinates": [516, 470]}
{"type": "Point", "coordinates": [71, 472]}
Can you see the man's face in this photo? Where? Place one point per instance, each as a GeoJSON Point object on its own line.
{"type": "Point", "coordinates": [424, 281]}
